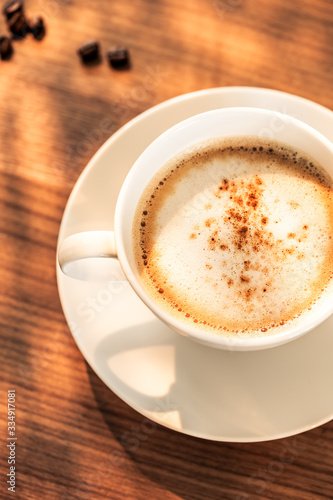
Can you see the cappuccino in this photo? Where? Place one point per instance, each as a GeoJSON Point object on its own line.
{"type": "Point", "coordinates": [234, 236]}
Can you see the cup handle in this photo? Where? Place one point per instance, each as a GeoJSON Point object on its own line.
{"type": "Point", "coordinates": [89, 244]}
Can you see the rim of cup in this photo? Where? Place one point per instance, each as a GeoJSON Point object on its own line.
{"type": "Point", "coordinates": [124, 241]}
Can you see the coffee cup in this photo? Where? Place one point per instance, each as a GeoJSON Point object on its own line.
{"type": "Point", "coordinates": [182, 142]}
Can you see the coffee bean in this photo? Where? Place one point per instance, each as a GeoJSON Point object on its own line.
{"type": "Point", "coordinates": [36, 27]}
{"type": "Point", "coordinates": [6, 48]}
{"type": "Point", "coordinates": [119, 58]}
{"type": "Point", "coordinates": [12, 7]}
{"type": "Point", "coordinates": [89, 52]}
{"type": "Point", "coordinates": [17, 24]}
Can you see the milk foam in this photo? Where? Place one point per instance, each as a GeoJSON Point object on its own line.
{"type": "Point", "coordinates": [235, 236]}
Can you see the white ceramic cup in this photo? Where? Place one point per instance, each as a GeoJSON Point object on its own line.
{"type": "Point", "coordinates": [218, 123]}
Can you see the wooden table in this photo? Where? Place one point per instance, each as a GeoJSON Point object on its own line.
{"type": "Point", "coordinates": [68, 422]}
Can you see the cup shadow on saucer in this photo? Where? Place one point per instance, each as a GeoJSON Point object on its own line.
{"type": "Point", "coordinates": [215, 393]}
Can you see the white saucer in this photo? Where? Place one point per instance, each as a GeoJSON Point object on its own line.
{"type": "Point", "coordinates": [196, 390]}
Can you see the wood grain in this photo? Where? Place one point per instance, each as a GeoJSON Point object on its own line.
{"type": "Point", "coordinates": [54, 114]}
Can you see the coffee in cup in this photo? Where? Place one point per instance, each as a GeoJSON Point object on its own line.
{"type": "Point", "coordinates": [234, 236]}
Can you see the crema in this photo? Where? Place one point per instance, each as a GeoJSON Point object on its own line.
{"type": "Point", "coordinates": [234, 236]}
